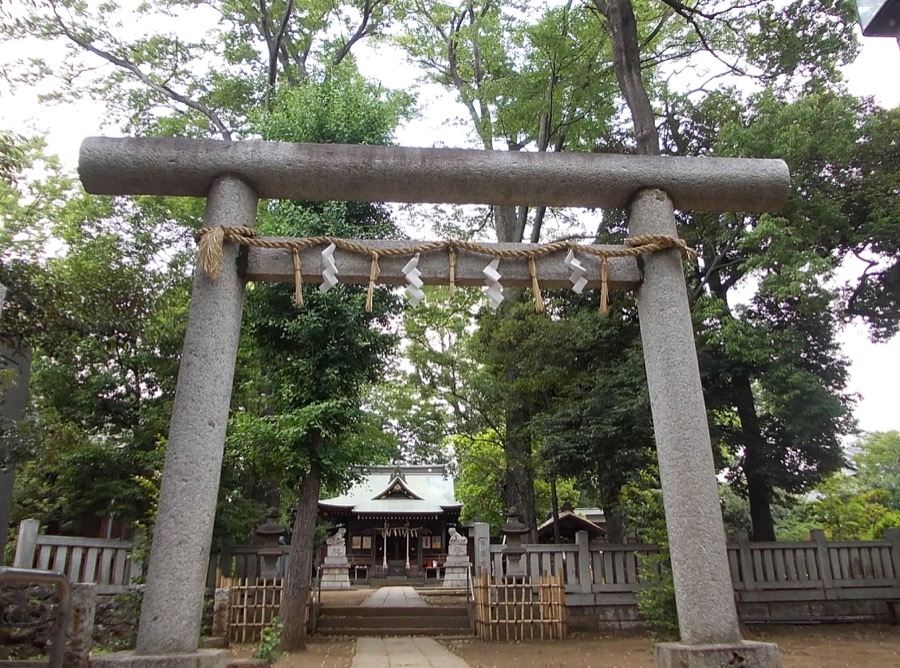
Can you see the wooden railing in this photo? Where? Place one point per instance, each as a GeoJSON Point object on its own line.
{"type": "Point", "coordinates": [107, 563]}
{"type": "Point", "coordinates": [813, 570]}
{"type": "Point", "coordinates": [805, 571]}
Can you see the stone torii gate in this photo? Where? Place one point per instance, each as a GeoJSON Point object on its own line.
{"type": "Point", "coordinates": [233, 176]}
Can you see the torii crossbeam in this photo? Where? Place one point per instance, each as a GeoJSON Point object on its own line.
{"type": "Point", "coordinates": [233, 176]}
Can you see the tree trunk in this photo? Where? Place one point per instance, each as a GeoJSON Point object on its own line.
{"type": "Point", "coordinates": [759, 490]}
{"type": "Point", "coordinates": [519, 465]}
{"type": "Point", "coordinates": [621, 25]}
{"type": "Point", "coordinates": [554, 503]}
{"type": "Point", "coordinates": [298, 576]}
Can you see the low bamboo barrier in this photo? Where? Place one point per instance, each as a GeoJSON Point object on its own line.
{"type": "Point", "coordinates": [254, 603]}
{"type": "Point", "coordinates": [523, 609]}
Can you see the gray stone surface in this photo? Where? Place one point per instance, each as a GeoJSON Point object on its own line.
{"type": "Point", "coordinates": [394, 597]}
{"type": "Point", "coordinates": [221, 612]}
{"type": "Point", "coordinates": [396, 652]}
{"type": "Point", "coordinates": [456, 577]}
{"type": "Point", "coordinates": [214, 658]}
{"type": "Point", "coordinates": [703, 589]}
{"type": "Point", "coordinates": [336, 576]}
{"type": "Point", "coordinates": [482, 539]}
{"type": "Point", "coordinates": [81, 626]}
{"type": "Point", "coordinates": [265, 264]}
{"type": "Point", "coordinates": [173, 598]}
{"type": "Point", "coordinates": [745, 654]}
{"type": "Point", "coordinates": [163, 166]}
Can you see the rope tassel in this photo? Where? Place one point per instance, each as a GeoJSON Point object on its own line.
{"type": "Point", "coordinates": [210, 251]}
{"type": "Point", "coordinates": [374, 271]}
{"type": "Point", "coordinates": [604, 286]}
{"type": "Point", "coordinates": [539, 306]}
{"type": "Point", "coordinates": [298, 278]}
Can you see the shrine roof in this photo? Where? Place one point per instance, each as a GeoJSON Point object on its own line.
{"type": "Point", "coordinates": [574, 520]}
{"type": "Point", "coordinates": [392, 489]}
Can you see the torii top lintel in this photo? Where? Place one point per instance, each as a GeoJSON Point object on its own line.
{"type": "Point", "coordinates": [277, 170]}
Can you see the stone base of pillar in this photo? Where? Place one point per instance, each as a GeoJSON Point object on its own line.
{"type": "Point", "coordinates": [335, 577]}
{"type": "Point", "coordinates": [746, 654]}
{"type": "Point", "coordinates": [200, 659]}
{"type": "Point", "coordinates": [456, 577]}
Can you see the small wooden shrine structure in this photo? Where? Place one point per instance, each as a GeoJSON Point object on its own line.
{"type": "Point", "coordinates": [397, 520]}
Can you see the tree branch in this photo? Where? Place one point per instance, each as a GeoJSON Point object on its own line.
{"type": "Point", "coordinates": [145, 79]}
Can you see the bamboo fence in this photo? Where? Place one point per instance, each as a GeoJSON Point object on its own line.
{"type": "Point", "coordinates": [520, 610]}
{"type": "Point", "coordinates": [254, 602]}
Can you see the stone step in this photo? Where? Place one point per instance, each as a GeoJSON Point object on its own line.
{"type": "Point", "coordinates": [397, 631]}
{"type": "Point", "coordinates": [380, 621]}
{"type": "Point", "coordinates": [410, 612]}
{"type": "Point", "coordinates": [405, 623]}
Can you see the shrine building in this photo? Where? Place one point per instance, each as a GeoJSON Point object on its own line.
{"type": "Point", "coordinates": [397, 520]}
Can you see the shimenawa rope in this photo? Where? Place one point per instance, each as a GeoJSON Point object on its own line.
{"type": "Point", "coordinates": [211, 239]}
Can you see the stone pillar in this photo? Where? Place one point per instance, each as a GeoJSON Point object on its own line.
{"type": "Point", "coordinates": [81, 626]}
{"type": "Point", "coordinates": [703, 590]}
{"type": "Point", "coordinates": [176, 575]}
{"type": "Point", "coordinates": [482, 535]}
{"type": "Point", "coordinates": [26, 544]}
{"type": "Point", "coordinates": [222, 613]}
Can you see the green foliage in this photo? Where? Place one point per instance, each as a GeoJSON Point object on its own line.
{"type": "Point", "coordinates": [641, 501]}
{"type": "Point", "coordinates": [877, 460]}
{"type": "Point", "coordinates": [269, 638]}
{"type": "Point", "coordinates": [852, 506]}
{"type": "Point", "coordinates": [103, 316]}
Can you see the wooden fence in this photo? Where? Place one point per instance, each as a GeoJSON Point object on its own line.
{"type": "Point", "coordinates": [524, 609]}
{"type": "Point", "coordinates": [805, 580]}
{"type": "Point", "coordinates": [109, 564]}
{"type": "Point", "coordinates": [789, 581]}
{"type": "Point", "coordinates": [254, 603]}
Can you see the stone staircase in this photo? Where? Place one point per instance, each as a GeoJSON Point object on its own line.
{"type": "Point", "coordinates": [451, 620]}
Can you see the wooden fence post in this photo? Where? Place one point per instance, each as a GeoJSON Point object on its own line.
{"type": "Point", "coordinates": [746, 558]}
{"type": "Point", "coordinates": [26, 544]}
{"type": "Point", "coordinates": [892, 535]}
{"type": "Point", "coordinates": [138, 549]}
{"type": "Point", "coordinates": [584, 561]}
{"type": "Point", "coordinates": [825, 574]}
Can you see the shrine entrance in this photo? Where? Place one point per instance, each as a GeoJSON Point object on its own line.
{"type": "Point", "coordinates": [233, 176]}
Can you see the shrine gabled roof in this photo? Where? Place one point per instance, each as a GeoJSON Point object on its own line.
{"type": "Point", "coordinates": [391, 489]}
{"type": "Point", "coordinates": [568, 518]}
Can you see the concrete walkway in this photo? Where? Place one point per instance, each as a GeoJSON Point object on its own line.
{"type": "Point", "coordinates": [395, 652]}
{"type": "Point", "coordinates": [407, 651]}
{"type": "Point", "coordinates": [394, 597]}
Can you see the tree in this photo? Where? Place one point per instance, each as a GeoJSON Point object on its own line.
{"type": "Point", "coordinates": [877, 461]}
{"type": "Point", "coordinates": [528, 83]}
{"type": "Point", "coordinates": [329, 352]}
{"type": "Point", "coordinates": [759, 465]}
{"type": "Point", "coordinates": [99, 319]}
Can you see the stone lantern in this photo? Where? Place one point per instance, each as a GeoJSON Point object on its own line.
{"type": "Point", "coordinates": [879, 18]}
{"type": "Point", "coordinates": [514, 552]}
{"type": "Point", "coordinates": [270, 531]}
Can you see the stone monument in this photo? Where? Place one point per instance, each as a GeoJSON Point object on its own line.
{"type": "Point", "coordinates": [336, 569]}
{"type": "Point", "coordinates": [456, 569]}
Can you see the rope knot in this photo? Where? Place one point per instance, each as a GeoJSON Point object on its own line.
{"type": "Point", "coordinates": [210, 241]}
